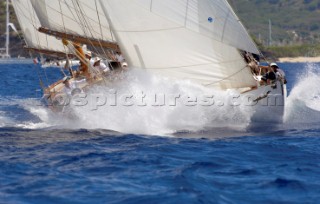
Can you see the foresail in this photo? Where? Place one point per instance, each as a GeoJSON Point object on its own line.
{"type": "Point", "coordinates": [29, 24]}
{"type": "Point", "coordinates": [82, 18]}
{"type": "Point", "coordinates": [188, 39]}
{"type": "Point", "coordinates": [218, 20]}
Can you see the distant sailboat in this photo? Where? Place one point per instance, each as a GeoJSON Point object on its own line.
{"type": "Point", "coordinates": [5, 57]}
{"type": "Point", "coordinates": [201, 40]}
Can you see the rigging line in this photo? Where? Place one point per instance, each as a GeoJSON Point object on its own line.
{"type": "Point", "coordinates": [37, 37]}
{"type": "Point", "coordinates": [59, 12]}
{"type": "Point", "coordinates": [64, 26]}
{"type": "Point", "coordinates": [48, 44]}
{"type": "Point", "coordinates": [81, 15]}
{"type": "Point", "coordinates": [67, 58]}
{"type": "Point", "coordinates": [73, 7]}
{"type": "Point", "coordinates": [76, 15]}
{"type": "Point", "coordinates": [30, 18]}
{"type": "Point", "coordinates": [92, 19]}
{"type": "Point", "coordinates": [100, 27]}
{"type": "Point", "coordinates": [37, 71]}
{"type": "Point", "coordinates": [228, 77]}
{"type": "Point", "coordinates": [241, 24]}
{"type": "Point", "coordinates": [64, 16]}
{"type": "Point", "coordinates": [88, 25]}
{"type": "Point", "coordinates": [87, 62]}
{"type": "Point", "coordinates": [224, 26]}
{"type": "Point", "coordinates": [19, 8]}
{"type": "Point", "coordinates": [45, 71]}
{"type": "Point", "coordinates": [33, 22]}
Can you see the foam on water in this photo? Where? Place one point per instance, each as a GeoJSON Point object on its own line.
{"type": "Point", "coordinates": [166, 115]}
{"type": "Point", "coordinates": [3, 120]}
{"type": "Point", "coordinates": [303, 103]}
{"type": "Point", "coordinates": [161, 117]}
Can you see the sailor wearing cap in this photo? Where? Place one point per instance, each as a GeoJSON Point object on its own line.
{"type": "Point", "coordinates": [88, 55]}
{"type": "Point", "coordinates": [102, 67]}
{"type": "Point", "coordinates": [70, 86]}
{"type": "Point", "coordinates": [279, 72]}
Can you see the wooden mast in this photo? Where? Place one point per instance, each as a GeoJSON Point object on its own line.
{"type": "Point", "coordinates": [81, 56]}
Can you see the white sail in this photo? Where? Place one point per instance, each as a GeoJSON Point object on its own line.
{"type": "Point", "coordinates": [81, 17]}
{"type": "Point", "coordinates": [189, 39]}
{"type": "Point", "coordinates": [29, 24]}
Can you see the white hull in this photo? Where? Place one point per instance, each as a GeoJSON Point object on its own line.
{"type": "Point", "coordinates": [268, 103]}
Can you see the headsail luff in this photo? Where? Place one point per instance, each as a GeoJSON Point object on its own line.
{"type": "Point", "coordinates": [189, 39]}
{"type": "Point", "coordinates": [81, 18]}
{"type": "Point", "coordinates": [35, 40]}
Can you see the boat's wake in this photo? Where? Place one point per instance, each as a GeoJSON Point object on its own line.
{"type": "Point", "coordinates": [148, 104]}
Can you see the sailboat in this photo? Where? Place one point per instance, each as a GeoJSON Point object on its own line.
{"type": "Point", "coordinates": [5, 57]}
{"type": "Point", "coordinates": [202, 41]}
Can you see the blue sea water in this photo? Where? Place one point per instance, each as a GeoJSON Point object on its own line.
{"type": "Point", "coordinates": [146, 156]}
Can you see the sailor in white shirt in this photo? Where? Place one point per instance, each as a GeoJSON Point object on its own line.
{"type": "Point", "coordinates": [119, 57]}
{"type": "Point", "coordinates": [102, 67]}
{"type": "Point", "coordinates": [70, 87]}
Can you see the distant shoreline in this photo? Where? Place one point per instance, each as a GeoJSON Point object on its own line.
{"type": "Point", "coordinates": [299, 59]}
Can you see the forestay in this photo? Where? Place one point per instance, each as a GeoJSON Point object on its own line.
{"type": "Point", "coordinates": [78, 17]}
{"type": "Point", "coordinates": [190, 39]}
{"type": "Point", "coordinates": [29, 23]}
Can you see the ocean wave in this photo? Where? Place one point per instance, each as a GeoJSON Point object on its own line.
{"type": "Point", "coordinates": [303, 103]}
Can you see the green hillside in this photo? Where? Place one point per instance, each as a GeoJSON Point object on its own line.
{"type": "Point", "coordinates": [293, 21]}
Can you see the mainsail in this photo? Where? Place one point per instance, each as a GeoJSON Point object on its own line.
{"type": "Point", "coordinates": [82, 18]}
{"type": "Point", "coordinates": [29, 23]}
{"type": "Point", "coordinates": [190, 39]}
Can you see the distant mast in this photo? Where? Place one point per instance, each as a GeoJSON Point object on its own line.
{"type": "Point", "coordinates": [270, 33]}
{"type": "Point", "coordinates": [7, 32]}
